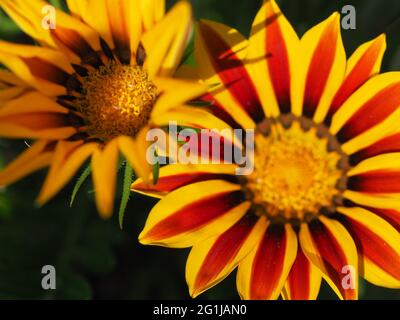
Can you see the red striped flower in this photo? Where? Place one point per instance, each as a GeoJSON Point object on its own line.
{"type": "Point", "coordinates": [323, 201]}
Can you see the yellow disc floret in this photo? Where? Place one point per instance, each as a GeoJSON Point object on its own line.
{"type": "Point", "coordinates": [294, 174]}
{"type": "Point", "coordinates": [116, 100]}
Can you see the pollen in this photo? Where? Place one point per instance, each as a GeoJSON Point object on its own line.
{"type": "Point", "coordinates": [295, 174]}
{"type": "Point", "coordinates": [116, 100]}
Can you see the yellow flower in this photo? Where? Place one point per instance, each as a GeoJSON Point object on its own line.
{"type": "Point", "coordinates": [323, 199]}
{"type": "Point", "coordinates": [92, 88]}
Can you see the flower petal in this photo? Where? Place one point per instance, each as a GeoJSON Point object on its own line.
{"type": "Point", "coordinates": [273, 50]}
{"type": "Point", "coordinates": [175, 92]}
{"type": "Point", "coordinates": [68, 158]}
{"type": "Point", "coordinates": [220, 53]}
{"type": "Point", "coordinates": [304, 279]}
{"type": "Point", "coordinates": [369, 114]}
{"type": "Point", "coordinates": [166, 41]}
{"type": "Point", "coordinates": [388, 144]}
{"type": "Point", "coordinates": [379, 246]}
{"type": "Point", "coordinates": [44, 69]}
{"type": "Point", "coordinates": [31, 102]}
{"type": "Point", "coordinates": [94, 13]}
{"type": "Point", "coordinates": [362, 65]}
{"type": "Point", "coordinates": [152, 12]}
{"type": "Point", "coordinates": [134, 151]}
{"type": "Point", "coordinates": [28, 15]}
{"type": "Point", "coordinates": [212, 260]}
{"type": "Point", "coordinates": [324, 63]}
{"type": "Point", "coordinates": [391, 216]}
{"type": "Point", "coordinates": [104, 166]}
{"type": "Point", "coordinates": [174, 176]}
{"type": "Point", "coordinates": [377, 175]}
{"type": "Point", "coordinates": [330, 248]}
{"type": "Point", "coordinates": [36, 157]}
{"type": "Point", "coordinates": [193, 213]}
{"type": "Point", "coordinates": [262, 274]}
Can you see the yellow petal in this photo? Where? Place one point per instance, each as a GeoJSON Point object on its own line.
{"type": "Point", "coordinates": [104, 166]}
{"type": "Point", "coordinates": [32, 159]}
{"type": "Point", "coordinates": [324, 65]}
{"type": "Point", "coordinates": [165, 42]}
{"type": "Point", "coordinates": [263, 273]}
{"type": "Point", "coordinates": [273, 57]}
{"type": "Point", "coordinates": [330, 248]}
{"type": "Point", "coordinates": [68, 158]}
{"type": "Point", "coordinates": [212, 260]}
{"type": "Point", "coordinates": [194, 213]}
{"type": "Point", "coordinates": [174, 176]}
{"type": "Point", "coordinates": [379, 250]}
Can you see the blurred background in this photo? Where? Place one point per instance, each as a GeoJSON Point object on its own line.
{"type": "Point", "coordinates": [95, 259]}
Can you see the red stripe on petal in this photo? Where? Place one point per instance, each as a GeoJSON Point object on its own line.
{"type": "Point", "coordinates": [374, 247]}
{"type": "Point", "coordinates": [224, 250]}
{"type": "Point", "coordinates": [268, 263]}
{"type": "Point", "coordinates": [376, 110]}
{"type": "Point", "coordinates": [319, 70]}
{"type": "Point", "coordinates": [232, 72]}
{"type": "Point", "coordinates": [356, 78]}
{"type": "Point", "coordinates": [172, 182]}
{"type": "Point", "coordinates": [390, 215]}
{"type": "Point", "coordinates": [46, 71]}
{"type": "Point", "coordinates": [382, 181]}
{"type": "Point", "coordinates": [332, 254]}
{"type": "Point", "coordinates": [278, 64]}
{"type": "Point", "coordinates": [386, 145]}
{"type": "Point", "coordinates": [299, 277]}
{"type": "Point", "coordinates": [195, 215]}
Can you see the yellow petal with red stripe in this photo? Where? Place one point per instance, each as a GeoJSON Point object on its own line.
{"type": "Point", "coordinates": [369, 114]}
{"type": "Point", "coordinates": [378, 244]}
{"type": "Point", "coordinates": [304, 279]}
{"type": "Point", "coordinates": [174, 176]}
{"type": "Point", "coordinates": [364, 63]}
{"type": "Point", "coordinates": [194, 213]}
{"type": "Point", "coordinates": [324, 63]}
{"type": "Point", "coordinates": [272, 55]}
{"type": "Point", "coordinates": [330, 248]}
{"type": "Point", "coordinates": [214, 259]}
{"type": "Point", "coordinates": [263, 273]}
{"type": "Point", "coordinates": [220, 52]}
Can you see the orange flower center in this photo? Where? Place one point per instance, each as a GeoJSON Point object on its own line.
{"type": "Point", "coordinates": [116, 100]}
{"type": "Point", "coordinates": [295, 174]}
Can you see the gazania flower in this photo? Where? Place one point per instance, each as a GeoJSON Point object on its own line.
{"type": "Point", "coordinates": [323, 199]}
{"type": "Point", "coordinates": [98, 80]}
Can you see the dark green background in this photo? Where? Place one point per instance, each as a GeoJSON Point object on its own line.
{"type": "Point", "coordinates": [95, 259]}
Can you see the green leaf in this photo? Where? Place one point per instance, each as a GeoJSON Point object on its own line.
{"type": "Point", "coordinates": [200, 103]}
{"type": "Point", "coordinates": [59, 4]}
{"type": "Point", "coordinates": [126, 191]}
{"type": "Point", "coordinates": [85, 174]}
{"type": "Point", "coordinates": [156, 170]}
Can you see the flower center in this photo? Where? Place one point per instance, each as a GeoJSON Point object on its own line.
{"type": "Point", "coordinates": [295, 176]}
{"type": "Point", "coordinates": [116, 100]}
